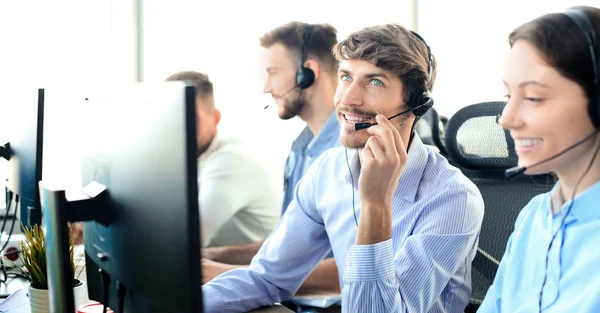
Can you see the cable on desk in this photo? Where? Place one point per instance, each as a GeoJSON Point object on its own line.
{"type": "Point", "coordinates": [4, 277]}
{"type": "Point", "coordinates": [121, 291]}
{"type": "Point", "coordinates": [106, 285]}
{"type": "Point", "coordinates": [8, 206]}
{"type": "Point", "coordinates": [12, 225]}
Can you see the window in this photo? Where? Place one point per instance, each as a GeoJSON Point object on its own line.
{"type": "Point", "coordinates": [469, 38]}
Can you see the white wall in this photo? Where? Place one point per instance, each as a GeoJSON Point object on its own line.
{"type": "Point", "coordinates": [89, 43]}
{"type": "Point", "coordinates": [66, 47]}
{"type": "Point", "coordinates": [470, 39]}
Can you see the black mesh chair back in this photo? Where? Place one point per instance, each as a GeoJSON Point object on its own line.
{"type": "Point", "coordinates": [482, 149]}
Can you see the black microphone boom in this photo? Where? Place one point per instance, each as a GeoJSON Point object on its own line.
{"type": "Point", "coordinates": [516, 171]}
{"type": "Point", "coordinates": [285, 93]}
{"type": "Point", "coordinates": [281, 96]}
{"type": "Point", "coordinates": [359, 126]}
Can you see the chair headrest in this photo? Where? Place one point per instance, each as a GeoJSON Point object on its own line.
{"type": "Point", "coordinates": [475, 140]}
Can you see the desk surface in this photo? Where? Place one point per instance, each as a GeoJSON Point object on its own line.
{"type": "Point", "coordinates": [273, 309]}
{"type": "Point", "coordinates": [14, 284]}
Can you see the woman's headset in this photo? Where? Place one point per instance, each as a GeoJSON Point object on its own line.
{"type": "Point", "coordinates": [584, 23]}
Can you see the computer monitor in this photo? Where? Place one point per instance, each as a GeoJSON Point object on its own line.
{"type": "Point", "coordinates": [25, 118]}
{"type": "Point", "coordinates": [139, 204]}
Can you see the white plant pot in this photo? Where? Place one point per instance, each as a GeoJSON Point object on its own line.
{"type": "Point", "coordinates": [39, 299]}
{"type": "Point", "coordinates": [80, 294]}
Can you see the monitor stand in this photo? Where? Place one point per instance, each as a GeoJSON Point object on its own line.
{"type": "Point", "coordinates": [92, 205]}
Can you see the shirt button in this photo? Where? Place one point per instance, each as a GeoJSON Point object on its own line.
{"type": "Point", "coordinates": [348, 263]}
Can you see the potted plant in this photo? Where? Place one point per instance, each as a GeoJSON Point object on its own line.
{"type": "Point", "coordinates": [33, 257]}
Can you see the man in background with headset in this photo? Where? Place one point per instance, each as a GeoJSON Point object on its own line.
{"type": "Point", "coordinates": [403, 223]}
{"type": "Point", "coordinates": [302, 78]}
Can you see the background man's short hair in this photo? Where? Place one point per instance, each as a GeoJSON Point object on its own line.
{"type": "Point", "coordinates": [204, 87]}
{"type": "Point", "coordinates": [322, 40]}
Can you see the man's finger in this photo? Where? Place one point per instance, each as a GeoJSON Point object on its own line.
{"type": "Point", "coordinates": [385, 131]}
{"type": "Point", "coordinates": [366, 155]}
{"type": "Point", "coordinates": [376, 146]}
{"type": "Point", "coordinates": [399, 143]}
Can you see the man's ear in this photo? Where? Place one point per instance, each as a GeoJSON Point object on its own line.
{"type": "Point", "coordinates": [314, 66]}
{"type": "Point", "coordinates": [217, 116]}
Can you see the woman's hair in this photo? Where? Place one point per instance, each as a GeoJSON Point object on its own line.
{"type": "Point", "coordinates": [564, 46]}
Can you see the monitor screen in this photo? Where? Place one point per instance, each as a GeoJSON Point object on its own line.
{"type": "Point", "coordinates": [25, 125]}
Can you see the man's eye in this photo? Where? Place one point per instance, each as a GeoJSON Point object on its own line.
{"type": "Point", "coordinates": [376, 82]}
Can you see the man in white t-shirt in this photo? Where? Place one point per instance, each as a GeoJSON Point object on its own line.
{"type": "Point", "coordinates": [239, 203]}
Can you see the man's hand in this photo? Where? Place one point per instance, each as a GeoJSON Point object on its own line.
{"type": "Point", "coordinates": [382, 161]}
{"type": "Point", "coordinates": [212, 269]}
{"type": "Point", "coordinates": [211, 253]}
{"type": "Point", "coordinates": [241, 255]}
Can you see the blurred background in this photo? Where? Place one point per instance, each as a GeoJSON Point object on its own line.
{"type": "Point", "coordinates": [82, 46]}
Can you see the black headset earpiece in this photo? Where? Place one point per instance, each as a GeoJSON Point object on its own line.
{"type": "Point", "coordinates": [583, 22]}
{"type": "Point", "coordinates": [305, 77]}
{"type": "Point", "coordinates": [421, 99]}
{"type": "Point", "coordinates": [426, 102]}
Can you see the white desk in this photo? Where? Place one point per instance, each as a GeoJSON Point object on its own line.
{"type": "Point", "coordinates": [15, 284]}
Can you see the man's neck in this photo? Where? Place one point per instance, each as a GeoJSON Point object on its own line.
{"type": "Point", "coordinates": [316, 116]}
{"type": "Point", "coordinates": [318, 108]}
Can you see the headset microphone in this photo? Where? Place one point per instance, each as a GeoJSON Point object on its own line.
{"type": "Point", "coordinates": [359, 126]}
{"type": "Point", "coordinates": [285, 93]}
{"type": "Point", "coordinates": [280, 96]}
{"type": "Point", "coordinates": [516, 171]}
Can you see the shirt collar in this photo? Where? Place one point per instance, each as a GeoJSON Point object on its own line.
{"type": "Point", "coordinates": [212, 147]}
{"type": "Point", "coordinates": [330, 130]}
{"type": "Point", "coordinates": [408, 185]}
{"type": "Point", "coordinates": [584, 206]}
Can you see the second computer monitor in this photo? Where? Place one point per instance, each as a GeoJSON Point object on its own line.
{"type": "Point", "coordinates": [140, 144]}
{"type": "Point", "coordinates": [24, 112]}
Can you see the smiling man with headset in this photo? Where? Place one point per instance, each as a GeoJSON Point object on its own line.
{"type": "Point", "coordinates": [302, 78]}
{"type": "Point", "coordinates": [403, 224]}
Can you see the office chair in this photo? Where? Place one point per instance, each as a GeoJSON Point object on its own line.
{"type": "Point", "coordinates": [430, 128]}
{"type": "Point", "coordinates": [482, 149]}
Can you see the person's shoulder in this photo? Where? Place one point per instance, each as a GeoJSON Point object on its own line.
{"type": "Point", "coordinates": [233, 150]}
{"type": "Point", "coordinates": [440, 175]}
{"type": "Point", "coordinates": [231, 144]}
{"type": "Point", "coordinates": [333, 155]}
{"type": "Point", "coordinates": [330, 162]}
{"type": "Point", "coordinates": [532, 208]}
